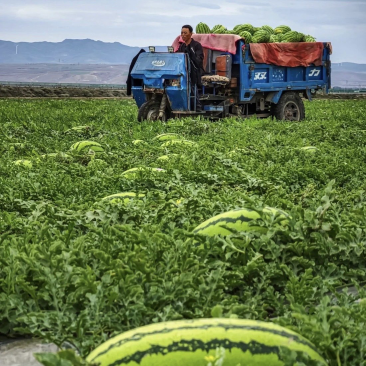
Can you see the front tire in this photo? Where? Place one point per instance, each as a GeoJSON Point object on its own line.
{"type": "Point", "coordinates": [149, 111]}
{"type": "Point", "coordinates": [289, 108]}
{"type": "Point", "coordinates": [143, 111]}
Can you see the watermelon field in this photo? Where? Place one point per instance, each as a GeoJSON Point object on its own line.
{"type": "Point", "coordinates": [79, 269]}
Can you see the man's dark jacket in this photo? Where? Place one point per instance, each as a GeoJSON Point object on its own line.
{"type": "Point", "coordinates": [195, 51]}
{"type": "Point", "coordinates": [129, 78]}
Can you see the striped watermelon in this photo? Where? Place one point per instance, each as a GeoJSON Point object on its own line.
{"type": "Point", "coordinates": [301, 37]}
{"type": "Point", "coordinates": [124, 197]}
{"type": "Point", "coordinates": [134, 172]}
{"type": "Point", "coordinates": [203, 342]}
{"type": "Point", "coordinates": [311, 149]}
{"type": "Point", "coordinates": [293, 36]}
{"type": "Point", "coordinates": [236, 219]}
{"type": "Point", "coordinates": [178, 142]}
{"type": "Point", "coordinates": [218, 29]}
{"type": "Point", "coordinates": [57, 156]}
{"type": "Point", "coordinates": [268, 29]}
{"type": "Point", "coordinates": [167, 157]}
{"type": "Point", "coordinates": [222, 30]}
{"type": "Point", "coordinates": [139, 142]}
{"type": "Point", "coordinates": [282, 29]}
{"type": "Point", "coordinates": [202, 28]}
{"type": "Point", "coordinates": [279, 37]}
{"type": "Point", "coordinates": [78, 129]}
{"type": "Point", "coordinates": [309, 38]}
{"type": "Point", "coordinates": [87, 147]}
{"type": "Point", "coordinates": [167, 137]}
{"type": "Point", "coordinates": [247, 36]}
{"type": "Point", "coordinates": [273, 39]}
{"type": "Point", "coordinates": [261, 36]}
{"type": "Point", "coordinates": [23, 162]}
{"type": "Point", "coordinates": [244, 27]}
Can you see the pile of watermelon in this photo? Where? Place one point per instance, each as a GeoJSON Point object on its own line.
{"type": "Point", "coordinates": [264, 34]}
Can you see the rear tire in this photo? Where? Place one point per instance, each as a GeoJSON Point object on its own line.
{"type": "Point", "coordinates": [289, 108]}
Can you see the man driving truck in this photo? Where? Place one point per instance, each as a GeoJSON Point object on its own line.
{"type": "Point", "coordinates": [195, 52]}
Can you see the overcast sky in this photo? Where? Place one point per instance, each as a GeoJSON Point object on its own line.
{"type": "Point", "coordinates": [146, 22]}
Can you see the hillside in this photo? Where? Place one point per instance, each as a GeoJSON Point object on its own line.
{"type": "Point", "coordinates": [343, 75]}
{"type": "Point", "coordinates": [89, 61]}
{"type": "Point", "coordinates": [348, 74]}
{"type": "Point", "coordinates": [69, 51]}
{"type": "Point", "coordinates": [64, 73]}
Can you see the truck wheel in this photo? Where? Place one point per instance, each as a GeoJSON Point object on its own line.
{"type": "Point", "coordinates": [289, 108]}
{"type": "Point", "coordinates": [142, 111]}
{"type": "Point", "coordinates": [149, 111]}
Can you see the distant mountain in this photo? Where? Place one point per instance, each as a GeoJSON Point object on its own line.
{"type": "Point", "coordinates": [90, 52]}
{"type": "Point", "coordinates": [348, 75]}
{"type": "Point", "coordinates": [348, 66]}
{"type": "Point", "coordinates": [64, 73]}
{"type": "Point", "coordinates": [69, 51]}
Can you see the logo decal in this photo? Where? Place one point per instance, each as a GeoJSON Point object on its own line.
{"type": "Point", "coordinates": [260, 75]}
{"type": "Point", "coordinates": [159, 63]}
{"type": "Point", "coordinates": [314, 72]}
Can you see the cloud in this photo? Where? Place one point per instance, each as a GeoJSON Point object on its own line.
{"type": "Point", "coordinates": [143, 22]}
{"type": "Point", "coordinates": [204, 5]}
{"type": "Point", "coordinates": [35, 12]}
{"type": "Point", "coordinates": [251, 4]}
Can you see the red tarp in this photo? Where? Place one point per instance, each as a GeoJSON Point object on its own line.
{"type": "Point", "coordinates": [216, 42]}
{"type": "Point", "coordinates": [288, 54]}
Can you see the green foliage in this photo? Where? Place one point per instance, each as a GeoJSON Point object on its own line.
{"type": "Point", "coordinates": [79, 272]}
{"type": "Point", "coordinates": [62, 358]}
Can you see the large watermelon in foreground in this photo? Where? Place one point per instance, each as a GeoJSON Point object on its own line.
{"type": "Point", "coordinates": [200, 342]}
{"type": "Point", "coordinates": [236, 219]}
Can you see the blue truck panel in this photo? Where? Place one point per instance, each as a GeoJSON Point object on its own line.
{"type": "Point", "coordinates": [271, 78]}
{"type": "Point", "coordinates": [264, 77]}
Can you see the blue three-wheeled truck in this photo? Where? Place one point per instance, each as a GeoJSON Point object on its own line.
{"type": "Point", "coordinates": [232, 85]}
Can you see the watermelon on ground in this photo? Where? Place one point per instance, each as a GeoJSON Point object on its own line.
{"type": "Point", "coordinates": [87, 147]}
{"type": "Point", "coordinates": [202, 342]}
{"type": "Point", "coordinates": [124, 197]}
{"type": "Point", "coordinates": [238, 220]}
{"type": "Point", "coordinates": [167, 137]}
{"type": "Point", "coordinates": [311, 149]}
{"type": "Point", "coordinates": [177, 143]}
{"type": "Point", "coordinates": [134, 172]}
{"type": "Point", "coordinates": [23, 162]}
